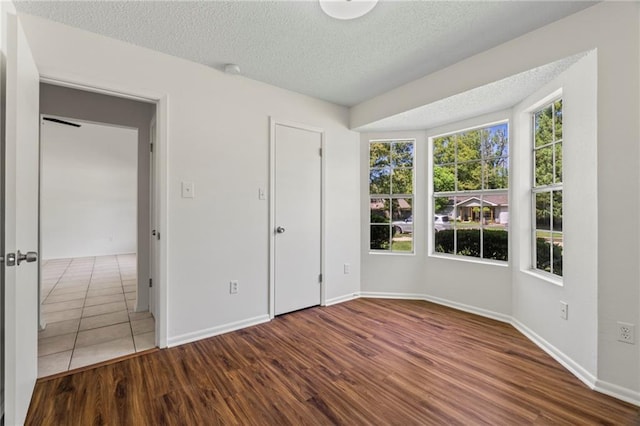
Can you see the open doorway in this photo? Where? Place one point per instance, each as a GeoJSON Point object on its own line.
{"type": "Point", "coordinates": [94, 229]}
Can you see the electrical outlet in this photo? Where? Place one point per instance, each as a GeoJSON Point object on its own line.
{"type": "Point", "coordinates": [564, 310]}
{"type": "Point", "coordinates": [626, 333]}
{"type": "Point", "coordinates": [347, 268]}
{"type": "Point", "coordinates": [188, 190]}
{"type": "Point", "coordinates": [233, 286]}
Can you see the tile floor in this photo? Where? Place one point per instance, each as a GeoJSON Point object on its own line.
{"type": "Point", "coordinates": [87, 305]}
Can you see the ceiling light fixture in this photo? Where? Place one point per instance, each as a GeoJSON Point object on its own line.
{"type": "Point", "coordinates": [347, 9]}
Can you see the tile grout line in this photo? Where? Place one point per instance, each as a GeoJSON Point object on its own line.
{"type": "Point", "coordinates": [95, 262]}
{"type": "Point", "coordinates": [75, 342]}
{"type": "Point", "coordinates": [57, 282]}
{"type": "Point", "coordinates": [126, 305]}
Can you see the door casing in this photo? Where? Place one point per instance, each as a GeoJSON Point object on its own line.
{"type": "Point", "coordinates": [160, 186]}
{"type": "Point", "coordinates": [273, 122]}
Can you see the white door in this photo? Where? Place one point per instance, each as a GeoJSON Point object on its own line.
{"type": "Point", "coordinates": [298, 218]}
{"type": "Point", "coordinates": [21, 223]}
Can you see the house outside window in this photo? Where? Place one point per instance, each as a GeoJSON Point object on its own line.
{"type": "Point", "coordinates": [470, 192]}
{"type": "Point", "coordinates": [391, 176]}
{"type": "Point", "coordinates": [547, 189]}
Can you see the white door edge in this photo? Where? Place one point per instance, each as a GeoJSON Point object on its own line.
{"type": "Point", "coordinates": [273, 122]}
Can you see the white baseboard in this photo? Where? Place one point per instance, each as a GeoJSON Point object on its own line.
{"type": "Point", "coordinates": [623, 394]}
{"type": "Point", "coordinates": [384, 295]}
{"type": "Point", "coordinates": [214, 331]}
{"type": "Point", "coordinates": [341, 299]}
{"type": "Point", "coordinates": [470, 309]}
{"type": "Point", "coordinates": [576, 369]}
{"type": "Point", "coordinates": [618, 392]}
{"type": "Point", "coordinates": [459, 306]}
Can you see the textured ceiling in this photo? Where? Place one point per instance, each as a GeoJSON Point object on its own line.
{"type": "Point", "coordinates": [492, 97]}
{"type": "Point", "coordinates": [294, 45]}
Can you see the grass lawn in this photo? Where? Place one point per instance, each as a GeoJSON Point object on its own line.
{"type": "Point", "coordinates": [557, 236]}
{"type": "Point", "coordinates": [402, 245]}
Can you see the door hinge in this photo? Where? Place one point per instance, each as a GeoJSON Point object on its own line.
{"type": "Point", "coordinates": [151, 147]}
{"type": "Point", "coordinates": [320, 278]}
{"type": "Point", "coordinates": [150, 282]}
{"type": "Point", "coordinates": [320, 152]}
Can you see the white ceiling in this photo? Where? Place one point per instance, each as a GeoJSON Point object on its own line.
{"type": "Point", "coordinates": [496, 96]}
{"type": "Point", "coordinates": [294, 45]}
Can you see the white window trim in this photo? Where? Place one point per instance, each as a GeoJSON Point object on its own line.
{"type": "Point", "coordinates": [533, 189]}
{"type": "Point", "coordinates": [483, 122]}
{"type": "Point", "coordinates": [412, 196]}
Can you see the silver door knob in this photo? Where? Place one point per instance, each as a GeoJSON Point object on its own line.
{"type": "Point", "coordinates": [30, 256]}
{"type": "Point", "coordinates": [280, 230]}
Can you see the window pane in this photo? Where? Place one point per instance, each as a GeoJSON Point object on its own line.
{"type": "Point", "coordinates": [402, 210]}
{"type": "Point", "coordinates": [402, 243]}
{"type": "Point", "coordinates": [468, 241]}
{"type": "Point", "coordinates": [495, 243]}
{"type": "Point", "coordinates": [402, 225]}
{"type": "Point", "coordinates": [543, 127]}
{"type": "Point", "coordinates": [444, 150]}
{"type": "Point", "coordinates": [380, 181]}
{"type": "Point", "coordinates": [379, 154]}
{"type": "Point", "coordinates": [557, 211]}
{"type": "Point", "coordinates": [444, 206]}
{"type": "Point", "coordinates": [558, 118]}
{"type": "Point", "coordinates": [444, 241]}
{"type": "Point", "coordinates": [558, 171]}
{"type": "Point", "coordinates": [402, 181]}
{"type": "Point", "coordinates": [402, 154]}
{"type": "Point", "coordinates": [469, 145]}
{"type": "Point", "coordinates": [469, 175]}
{"type": "Point", "coordinates": [496, 173]}
{"type": "Point", "coordinates": [543, 210]}
{"type": "Point", "coordinates": [498, 203]}
{"type": "Point", "coordinates": [380, 210]}
{"type": "Point", "coordinates": [444, 178]}
{"type": "Point", "coordinates": [468, 210]}
{"type": "Point", "coordinates": [557, 257]}
{"type": "Point", "coordinates": [495, 142]}
{"type": "Point", "coordinates": [543, 250]}
{"type": "Point", "coordinates": [544, 166]}
{"type": "Point", "coordinates": [380, 237]}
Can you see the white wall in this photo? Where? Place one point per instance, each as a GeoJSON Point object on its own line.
{"type": "Point", "coordinates": [218, 136]}
{"type": "Point", "coordinates": [89, 190]}
{"type": "Point", "coordinates": [536, 301]}
{"type": "Point", "coordinates": [612, 28]}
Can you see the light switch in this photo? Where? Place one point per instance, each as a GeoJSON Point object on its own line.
{"type": "Point", "coordinates": [261, 194]}
{"type": "Point", "coordinates": [188, 190]}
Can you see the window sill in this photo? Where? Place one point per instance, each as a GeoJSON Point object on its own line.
{"type": "Point", "coordinates": [544, 276]}
{"type": "Point", "coordinates": [501, 263]}
{"type": "Point", "coordinates": [392, 253]}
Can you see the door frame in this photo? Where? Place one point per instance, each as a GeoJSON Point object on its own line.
{"type": "Point", "coordinates": [153, 216]}
{"type": "Point", "coordinates": [161, 100]}
{"type": "Point", "coordinates": [273, 122]}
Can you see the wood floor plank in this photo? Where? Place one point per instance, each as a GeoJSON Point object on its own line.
{"type": "Point", "coordinates": [363, 362]}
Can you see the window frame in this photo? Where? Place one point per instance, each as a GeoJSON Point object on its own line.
{"type": "Point", "coordinates": [550, 189]}
{"type": "Point", "coordinates": [457, 193]}
{"type": "Point", "coordinates": [392, 196]}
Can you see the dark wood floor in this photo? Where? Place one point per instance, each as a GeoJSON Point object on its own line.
{"type": "Point", "coordinates": [362, 362]}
